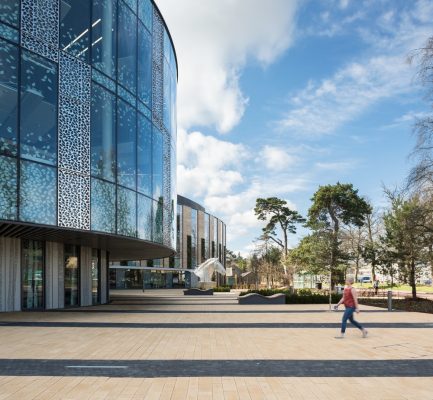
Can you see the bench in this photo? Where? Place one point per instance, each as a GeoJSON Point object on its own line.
{"type": "Point", "coordinates": [255, 298]}
{"type": "Point", "coordinates": [198, 292]}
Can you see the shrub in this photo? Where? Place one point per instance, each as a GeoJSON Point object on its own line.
{"type": "Point", "coordinates": [221, 289]}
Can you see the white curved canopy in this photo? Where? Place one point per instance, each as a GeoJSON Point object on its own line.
{"type": "Point", "coordinates": [205, 270]}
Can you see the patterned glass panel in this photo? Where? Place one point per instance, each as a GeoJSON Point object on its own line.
{"type": "Point", "coordinates": [126, 212]}
{"type": "Point", "coordinates": [104, 28]}
{"type": "Point", "coordinates": [173, 111]}
{"type": "Point", "coordinates": [38, 109]}
{"type": "Point", "coordinates": [8, 188]}
{"type": "Point", "coordinates": [38, 192]}
{"type": "Point", "coordinates": [166, 179]}
{"type": "Point", "coordinates": [9, 33]}
{"type": "Point", "coordinates": [157, 164]}
{"type": "Point", "coordinates": [157, 69]}
{"type": "Point", "coordinates": [74, 27]}
{"type": "Point", "coordinates": [103, 206]}
{"type": "Point", "coordinates": [132, 4]}
{"type": "Point", "coordinates": [103, 139]}
{"type": "Point", "coordinates": [74, 115]}
{"type": "Point", "coordinates": [8, 98]}
{"type": "Point", "coordinates": [127, 57]}
{"type": "Point", "coordinates": [103, 80]}
{"type": "Point", "coordinates": [40, 27]}
{"type": "Point", "coordinates": [74, 200]}
{"type": "Point", "coordinates": [167, 96]}
{"type": "Point", "coordinates": [144, 217]}
{"type": "Point", "coordinates": [144, 156]}
{"type": "Point", "coordinates": [9, 12]}
{"type": "Point", "coordinates": [126, 145]}
{"type": "Point", "coordinates": [145, 12]}
{"type": "Point", "coordinates": [157, 222]}
{"type": "Point", "coordinates": [144, 65]}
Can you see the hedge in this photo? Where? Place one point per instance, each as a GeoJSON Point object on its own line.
{"type": "Point", "coordinates": [221, 289]}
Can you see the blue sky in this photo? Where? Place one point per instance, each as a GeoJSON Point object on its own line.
{"type": "Point", "coordinates": [278, 97]}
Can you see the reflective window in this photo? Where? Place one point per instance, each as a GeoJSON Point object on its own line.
{"type": "Point", "coordinates": [206, 236]}
{"type": "Point", "coordinates": [126, 212]}
{"type": "Point", "coordinates": [9, 12]}
{"type": "Point", "coordinates": [126, 145]}
{"type": "Point", "coordinates": [32, 279]}
{"type": "Point", "coordinates": [8, 98]}
{"type": "Point", "coordinates": [103, 208]}
{"type": "Point", "coordinates": [8, 188]}
{"type": "Point", "coordinates": [157, 163]}
{"type": "Point", "coordinates": [127, 57]}
{"type": "Point", "coordinates": [74, 27]}
{"type": "Point", "coordinates": [38, 109]}
{"type": "Point", "coordinates": [96, 277]}
{"type": "Point", "coordinates": [157, 221]}
{"type": "Point", "coordinates": [144, 217]}
{"type": "Point", "coordinates": [144, 156]}
{"type": "Point", "coordinates": [104, 36]}
{"type": "Point", "coordinates": [194, 237]}
{"type": "Point", "coordinates": [145, 13]}
{"type": "Point", "coordinates": [144, 65]}
{"type": "Point", "coordinates": [72, 275]}
{"type": "Point", "coordinates": [103, 134]}
{"type": "Point", "coordinates": [38, 190]}
{"type": "Point", "coordinates": [132, 4]}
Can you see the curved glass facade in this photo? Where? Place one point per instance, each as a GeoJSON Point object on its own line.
{"type": "Point", "coordinates": [88, 117]}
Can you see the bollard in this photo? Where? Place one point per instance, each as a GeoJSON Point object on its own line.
{"type": "Point", "coordinates": [389, 300]}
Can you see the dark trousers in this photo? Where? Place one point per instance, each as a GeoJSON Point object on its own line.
{"type": "Point", "coordinates": [348, 315]}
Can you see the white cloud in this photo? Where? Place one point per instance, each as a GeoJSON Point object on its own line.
{"type": "Point", "coordinates": [208, 166]}
{"type": "Point", "coordinates": [323, 107]}
{"type": "Point", "coordinates": [214, 39]}
{"type": "Point", "coordinates": [276, 158]}
{"type": "Point", "coordinates": [336, 166]}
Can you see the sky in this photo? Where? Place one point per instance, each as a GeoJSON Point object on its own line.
{"type": "Point", "coordinates": [278, 97]}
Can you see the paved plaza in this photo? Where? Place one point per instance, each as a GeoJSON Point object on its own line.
{"type": "Point", "coordinates": [163, 345]}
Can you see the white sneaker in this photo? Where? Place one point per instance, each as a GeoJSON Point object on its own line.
{"type": "Point", "coordinates": [340, 336]}
{"type": "Point", "coordinates": [364, 333]}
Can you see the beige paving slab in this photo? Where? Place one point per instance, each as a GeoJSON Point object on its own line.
{"type": "Point", "coordinates": [196, 343]}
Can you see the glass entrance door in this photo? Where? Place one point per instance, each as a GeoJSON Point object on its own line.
{"type": "Point", "coordinates": [96, 277]}
{"type": "Point", "coordinates": [32, 283]}
{"type": "Point", "coordinates": [72, 275]}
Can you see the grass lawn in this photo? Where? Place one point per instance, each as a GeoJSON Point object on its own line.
{"type": "Point", "coordinates": [403, 288]}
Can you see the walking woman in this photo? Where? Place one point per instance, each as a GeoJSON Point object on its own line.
{"type": "Point", "coordinates": [350, 301]}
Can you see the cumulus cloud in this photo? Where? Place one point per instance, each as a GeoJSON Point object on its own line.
{"type": "Point", "coordinates": [214, 39]}
{"type": "Point", "coordinates": [324, 106]}
{"type": "Point", "coordinates": [207, 165]}
{"type": "Point", "coordinates": [276, 158]}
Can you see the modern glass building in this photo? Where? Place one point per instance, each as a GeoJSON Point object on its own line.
{"type": "Point", "coordinates": [87, 146]}
{"type": "Point", "coordinates": [199, 236]}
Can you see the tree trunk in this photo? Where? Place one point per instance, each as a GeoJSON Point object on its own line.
{"type": "Point", "coordinates": [412, 278]}
{"type": "Point", "coordinates": [285, 252]}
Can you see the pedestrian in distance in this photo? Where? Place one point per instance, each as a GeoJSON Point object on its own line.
{"type": "Point", "coordinates": [376, 286]}
{"type": "Point", "coordinates": [350, 301]}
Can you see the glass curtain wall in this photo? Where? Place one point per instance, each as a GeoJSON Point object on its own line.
{"type": "Point", "coordinates": [72, 275]}
{"type": "Point", "coordinates": [194, 237]}
{"type": "Point", "coordinates": [32, 279]}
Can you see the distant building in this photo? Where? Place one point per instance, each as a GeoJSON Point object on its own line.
{"type": "Point", "coordinates": [199, 236]}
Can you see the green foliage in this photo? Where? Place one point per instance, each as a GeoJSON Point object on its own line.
{"type": "Point", "coordinates": [335, 204]}
{"type": "Point", "coordinates": [313, 253]}
{"type": "Point", "coordinates": [221, 289]}
{"type": "Point", "coordinates": [278, 215]}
